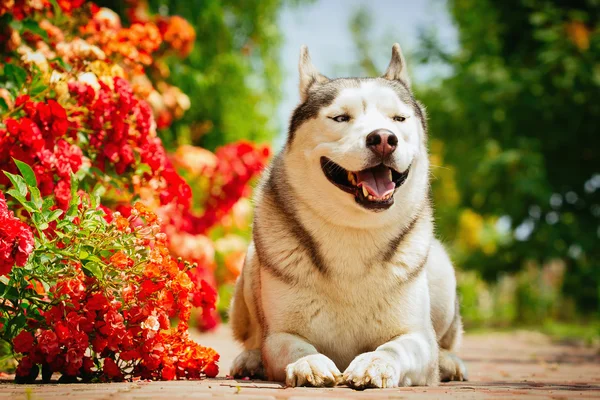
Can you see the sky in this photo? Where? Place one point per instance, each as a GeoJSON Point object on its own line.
{"type": "Point", "coordinates": [323, 27]}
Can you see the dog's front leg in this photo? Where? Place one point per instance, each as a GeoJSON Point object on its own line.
{"type": "Point", "coordinates": [407, 360]}
{"type": "Point", "coordinates": [292, 359]}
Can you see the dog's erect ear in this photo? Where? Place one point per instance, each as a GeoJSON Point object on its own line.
{"type": "Point", "coordinates": [397, 70]}
{"type": "Point", "coordinates": [308, 73]}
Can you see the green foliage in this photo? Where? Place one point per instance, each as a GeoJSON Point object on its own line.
{"type": "Point", "coordinates": [232, 76]}
{"type": "Point", "coordinates": [518, 119]}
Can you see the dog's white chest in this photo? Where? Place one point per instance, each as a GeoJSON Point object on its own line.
{"type": "Point", "coordinates": [341, 318]}
{"type": "Point", "coordinates": [360, 322]}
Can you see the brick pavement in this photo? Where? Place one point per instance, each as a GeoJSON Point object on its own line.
{"type": "Point", "coordinates": [501, 365]}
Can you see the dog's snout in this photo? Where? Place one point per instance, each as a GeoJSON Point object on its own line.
{"type": "Point", "coordinates": [382, 142]}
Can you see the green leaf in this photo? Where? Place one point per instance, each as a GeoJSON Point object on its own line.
{"type": "Point", "coordinates": [26, 172]}
{"type": "Point", "coordinates": [15, 74]}
{"type": "Point", "coordinates": [67, 67]}
{"type": "Point", "coordinates": [17, 323]}
{"type": "Point", "coordinates": [143, 168]}
{"type": "Point", "coordinates": [27, 205]}
{"type": "Point", "coordinates": [92, 269]}
{"type": "Point", "coordinates": [56, 8]}
{"type": "Point", "coordinates": [8, 292]}
{"type": "Point", "coordinates": [36, 198]}
{"type": "Point", "coordinates": [74, 198]}
{"type": "Point", "coordinates": [32, 26]}
{"type": "Point", "coordinates": [62, 225]}
{"type": "Point", "coordinates": [54, 215]}
{"type": "Point", "coordinates": [83, 254]}
{"type": "Point", "coordinates": [96, 194]}
{"type": "Point", "coordinates": [73, 204]}
{"type": "Point", "coordinates": [95, 258]}
{"type": "Point", "coordinates": [48, 203]}
{"type": "Point", "coordinates": [16, 25]}
{"type": "Point", "coordinates": [3, 105]}
{"type": "Point", "coordinates": [18, 183]}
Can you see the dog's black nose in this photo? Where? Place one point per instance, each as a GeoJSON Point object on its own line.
{"type": "Point", "coordinates": [382, 142]}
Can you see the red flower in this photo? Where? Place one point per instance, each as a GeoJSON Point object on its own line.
{"type": "Point", "coordinates": [97, 302]}
{"type": "Point", "coordinates": [62, 192]}
{"type": "Point", "coordinates": [25, 366]}
{"type": "Point", "coordinates": [168, 372]}
{"type": "Point", "coordinates": [16, 240]}
{"type": "Point", "coordinates": [48, 344]}
{"type": "Point", "coordinates": [211, 370]}
{"type": "Point", "coordinates": [111, 369]}
{"type": "Point", "coordinates": [23, 342]}
{"type": "Point", "coordinates": [99, 344]}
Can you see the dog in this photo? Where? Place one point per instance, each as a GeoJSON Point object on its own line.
{"type": "Point", "coordinates": [344, 272]}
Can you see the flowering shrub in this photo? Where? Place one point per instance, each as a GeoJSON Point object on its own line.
{"type": "Point", "coordinates": [94, 299]}
{"type": "Point", "coordinates": [93, 209]}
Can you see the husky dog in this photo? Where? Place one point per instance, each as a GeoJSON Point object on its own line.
{"type": "Point", "coordinates": [343, 272]}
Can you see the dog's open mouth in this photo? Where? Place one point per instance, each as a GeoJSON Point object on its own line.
{"type": "Point", "coordinates": [373, 188]}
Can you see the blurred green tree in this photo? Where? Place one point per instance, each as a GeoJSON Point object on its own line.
{"type": "Point", "coordinates": [515, 126]}
{"type": "Point", "coordinates": [232, 76]}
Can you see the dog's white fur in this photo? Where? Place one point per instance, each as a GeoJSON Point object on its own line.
{"type": "Point", "coordinates": [315, 297]}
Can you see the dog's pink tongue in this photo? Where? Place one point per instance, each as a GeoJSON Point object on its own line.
{"type": "Point", "coordinates": [377, 180]}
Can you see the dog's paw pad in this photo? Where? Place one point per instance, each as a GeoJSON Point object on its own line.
{"type": "Point", "coordinates": [375, 369]}
{"type": "Point", "coordinates": [248, 364]}
{"type": "Point", "coordinates": [314, 370]}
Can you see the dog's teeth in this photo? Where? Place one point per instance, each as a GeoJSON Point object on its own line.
{"type": "Point", "coordinates": [365, 192]}
{"type": "Point", "coordinates": [371, 198]}
{"type": "Point", "coordinates": [390, 173]}
{"type": "Point", "coordinates": [352, 178]}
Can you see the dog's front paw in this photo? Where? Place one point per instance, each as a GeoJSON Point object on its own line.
{"type": "Point", "coordinates": [452, 368]}
{"type": "Point", "coordinates": [376, 369]}
{"type": "Point", "coordinates": [248, 364]}
{"type": "Point", "coordinates": [314, 370]}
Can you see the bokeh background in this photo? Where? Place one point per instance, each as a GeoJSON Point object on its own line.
{"type": "Point", "coordinates": [512, 90]}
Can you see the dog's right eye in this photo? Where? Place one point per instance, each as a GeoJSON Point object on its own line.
{"type": "Point", "coordinates": [341, 118]}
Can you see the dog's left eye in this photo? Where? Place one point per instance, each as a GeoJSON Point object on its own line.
{"type": "Point", "coordinates": [341, 118]}
{"type": "Point", "coordinates": [399, 118]}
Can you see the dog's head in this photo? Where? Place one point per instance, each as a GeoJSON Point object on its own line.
{"type": "Point", "coordinates": [356, 147]}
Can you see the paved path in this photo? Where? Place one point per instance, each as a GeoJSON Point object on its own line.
{"type": "Point", "coordinates": [501, 365]}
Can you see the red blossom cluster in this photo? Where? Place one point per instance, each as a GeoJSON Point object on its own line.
{"type": "Point", "coordinates": [128, 326]}
{"type": "Point", "coordinates": [120, 136]}
{"type": "Point", "coordinates": [118, 122]}
{"type": "Point", "coordinates": [16, 240]}
{"type": "Point", "coordinates": [205, 299]}
{"type": "Point", "coordinates": [43, 139]}
{"type": "Point", "coordinates": [123, 131]}
{"type": "Point", "coordinates": [237, 164]}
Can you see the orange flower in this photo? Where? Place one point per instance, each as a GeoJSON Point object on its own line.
{"type": "Point", "coordinates": [145, 212]}
{"type": "Point", "coordinates": [579, 34]}
{"type": "Point", "coordinates": [152, 270]}
{"type": "Point", "coordinates": [184, 281]}
{"type": "Point", "coordinates": [179, 34]}
{"type": "Point", "coordinates": [36, 285]}
{"type": "Point", "coordinates": [120, 260]}
{"type": "Point", "coordinates": [122, 223]}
